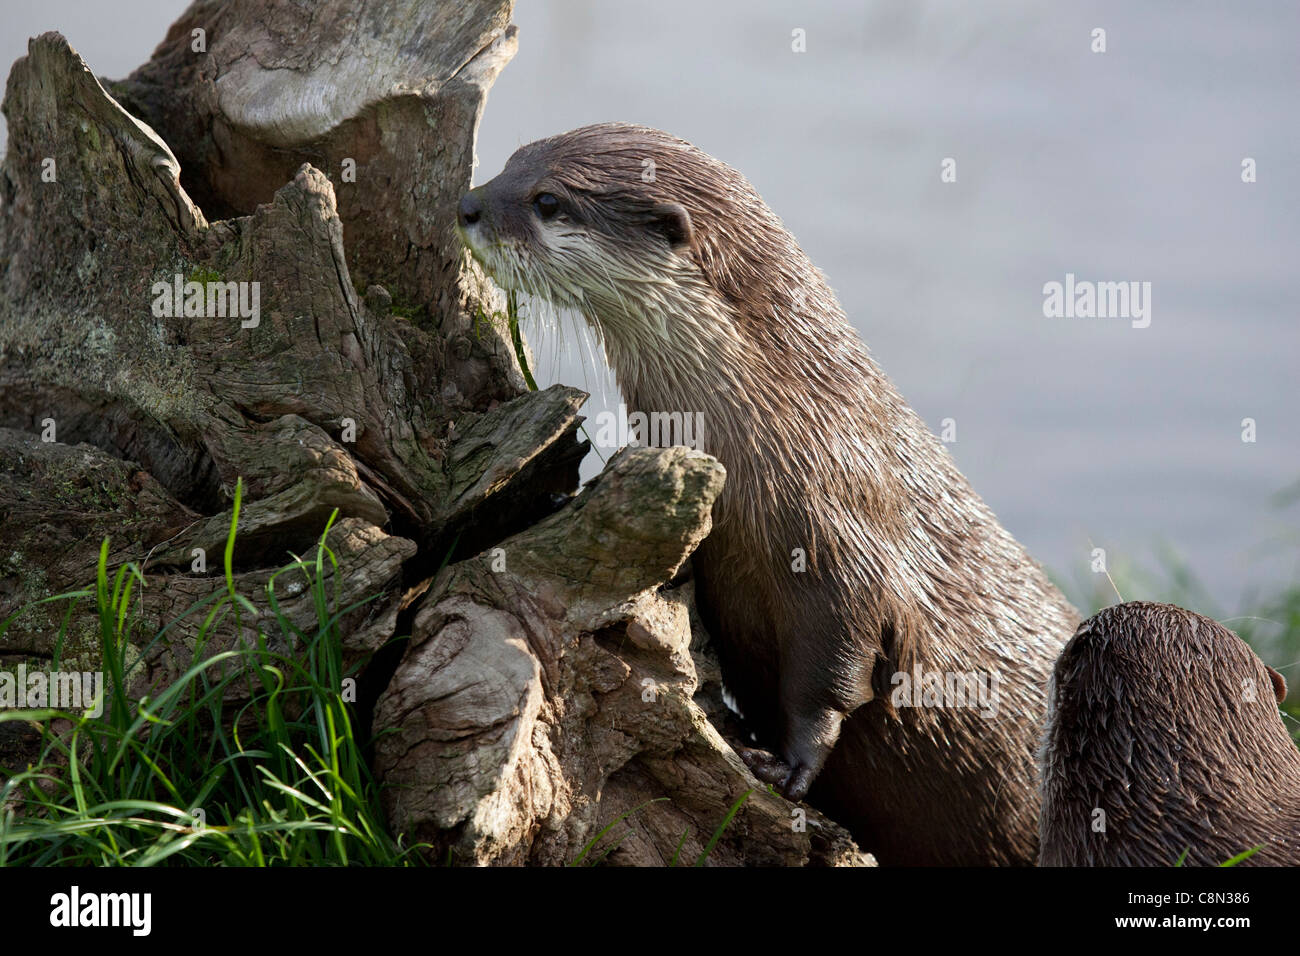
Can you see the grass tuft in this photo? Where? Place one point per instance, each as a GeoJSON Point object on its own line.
{"type": "Point", "coordinates": [176, 778]}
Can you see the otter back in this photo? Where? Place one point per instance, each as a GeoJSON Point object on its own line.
{"type": "Point", "coordinates": [1164, 739]}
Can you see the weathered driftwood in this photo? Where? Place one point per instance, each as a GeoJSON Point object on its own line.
{"type": "Point", "coordinates": [321, 405]}
{"type": "Point", "coordinates": [548, 688]}
{"type": "Point", "coordinates": [384, 97]}
{"type": "Point", "coordinates": [535, 704]}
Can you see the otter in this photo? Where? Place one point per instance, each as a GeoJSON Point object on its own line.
{"type": "Point", "coordinates": [1164, 743]}
{"type": "Point", "coordinates": [856, 588]}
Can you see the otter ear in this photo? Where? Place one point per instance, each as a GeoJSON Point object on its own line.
{"type": "Point", "coordinates": [1279, 683]}
{"type": "Point", "coordinates": [674, 222]}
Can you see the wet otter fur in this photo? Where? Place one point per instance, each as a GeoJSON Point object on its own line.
{"type": "Point", "coordinates": [1164, 726]}
{"type": "Point", "coordinates": [705, 304]}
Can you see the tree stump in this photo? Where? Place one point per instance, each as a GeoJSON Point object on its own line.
{"type": "Point", "coordinates": [238, 264]}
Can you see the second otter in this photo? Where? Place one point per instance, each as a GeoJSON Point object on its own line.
{"type": "Point", "coordinates": [1164, 743]}
{"type": "Point", "coordinates": [849, 559]}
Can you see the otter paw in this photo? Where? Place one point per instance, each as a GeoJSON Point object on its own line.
{"type": "Point", "coordinates": [792, 782]}
{"type": "Point", "coordinates": [766, 766]}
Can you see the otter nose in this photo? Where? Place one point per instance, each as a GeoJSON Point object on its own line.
{"type": "Point", "coordinates": [470, 210]}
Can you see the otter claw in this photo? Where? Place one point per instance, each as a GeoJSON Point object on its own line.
{"type": "Point", "coordinates": [766, 766]}
{"type": "Point", "coordinates": [797, 785]}
{"type": "Point", "coordinates": [792, 782]}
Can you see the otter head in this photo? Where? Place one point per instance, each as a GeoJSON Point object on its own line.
{"type": "Point", "coordinates": [583, 219]}
{"type": "Point", "coordinates": [660, 247]}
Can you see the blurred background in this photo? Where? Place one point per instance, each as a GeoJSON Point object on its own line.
{"type": "Point", "coordinates": [1115, 166]}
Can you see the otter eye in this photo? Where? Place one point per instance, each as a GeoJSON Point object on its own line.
{"type": "Point", "coordinates": [546, 205]}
